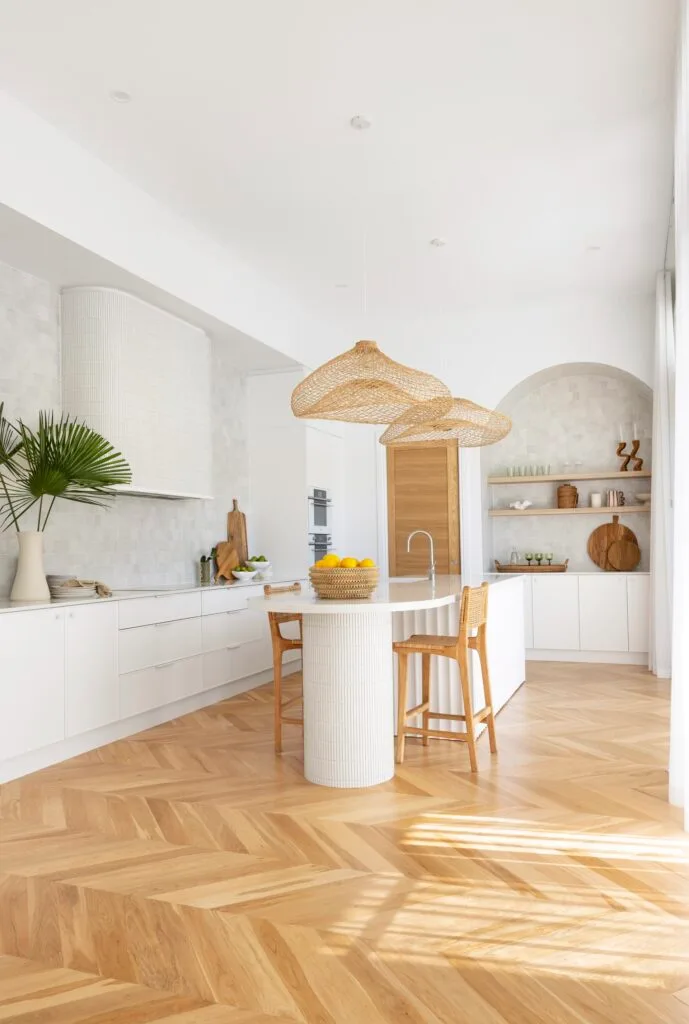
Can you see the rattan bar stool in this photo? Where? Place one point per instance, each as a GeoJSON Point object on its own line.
{"type": "Point", "coordinates": [472, 616]}
{"type": "Point", "coordinates": [281, 644]}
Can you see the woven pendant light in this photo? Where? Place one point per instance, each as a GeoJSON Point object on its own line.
{"type": "Point", "coordinates": [470, 425]}
{"type": "Point", "coordinates": [365, 386]}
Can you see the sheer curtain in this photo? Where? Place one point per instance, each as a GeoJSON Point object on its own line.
{"type": "Point", "coordinates": [660, 647]}
{"type": "Point", "coordinates": [679, 716]}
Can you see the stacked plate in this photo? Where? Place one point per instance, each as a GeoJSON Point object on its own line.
{"type": "Point", "coordinates": [69, 588]}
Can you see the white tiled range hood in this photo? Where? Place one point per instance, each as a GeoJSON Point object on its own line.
{"type": "Point", "coordinates": [140, 377]}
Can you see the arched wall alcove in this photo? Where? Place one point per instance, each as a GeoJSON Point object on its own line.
{"type": "Point", "coordinates": [566, 417]}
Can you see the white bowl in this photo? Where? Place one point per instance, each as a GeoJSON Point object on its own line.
{"type": "Point", "coordinates": [243, 575]}
{"type": "Point", "coordinates": [643, 498]}
{"type": "Point", "coordinates": [259, 566]}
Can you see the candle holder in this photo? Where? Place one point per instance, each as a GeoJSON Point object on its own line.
{"type": "Point", "coordinates": [628, 457]}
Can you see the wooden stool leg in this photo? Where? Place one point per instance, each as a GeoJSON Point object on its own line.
{"type": "Point", "coordinates": [402, 674]}
{"type": "Point", "coordinates": [483, 658]}
{"type": "Point", "coordinates": [277, 695]}
{"type": "Point", "coordinates": [463, 662]}
{"type": "Point", "coordinates": [426, 691]}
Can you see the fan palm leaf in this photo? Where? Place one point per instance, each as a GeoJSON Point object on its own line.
{"type": "Point", "coordinates": [61, 459]}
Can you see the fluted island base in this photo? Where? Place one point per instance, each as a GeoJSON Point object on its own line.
{"type": "Point", "coordinates": [348, 699]}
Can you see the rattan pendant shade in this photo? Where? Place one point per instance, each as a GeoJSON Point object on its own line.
{"type": "Point", "coordinates": [365, 386]}
{"type": "Point", "coordinates": [470, 425]}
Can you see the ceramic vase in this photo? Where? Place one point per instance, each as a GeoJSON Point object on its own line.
{"type": "Point", "coordinates": [29, 582]}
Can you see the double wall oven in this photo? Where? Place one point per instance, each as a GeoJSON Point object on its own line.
{"type": "Point", "coordinates": [320, 522]}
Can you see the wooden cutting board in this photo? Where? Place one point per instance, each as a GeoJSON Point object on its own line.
{"type": "Point", "coordinates": [236, 532]}
{"type": "Point", "coordinates": [226, 559]}
{"type": "Point", "coordinates": [624, 555]}
{"type": "Point", "coordinates": [603, 536]}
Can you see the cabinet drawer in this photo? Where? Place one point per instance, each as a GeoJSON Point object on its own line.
{"type": "Point", "coordinates": [143, 611]}
{"type": "Point", "coordinates": [153, 687]}
{"type": "Point", "coordinates": [145, 646]}
{"type": "Point", "coordinates": [220, 667]}
{"type": "Point", "coordinates": [254, 656]}
{"type": "Point", "coordinates": [224, 599]}
{"type": "Point", "coordinates": [233, 627]}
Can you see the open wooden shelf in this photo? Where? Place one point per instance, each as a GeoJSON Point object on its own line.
{"type": "Point", "coordinates": [619, 510]}
{"type": "Point", "coordinates": [643, 474]}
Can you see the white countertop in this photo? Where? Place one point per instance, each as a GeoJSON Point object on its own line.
{"type": "Point", "coordinates": [126, 594]}
{"type": "Point", "coordinates": [394, 595]}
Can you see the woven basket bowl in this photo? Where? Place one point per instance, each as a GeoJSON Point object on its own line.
{"type": "Point", "coordinates": [344, 584]}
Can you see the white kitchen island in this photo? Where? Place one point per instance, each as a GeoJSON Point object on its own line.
{"type": "Point", "coordinates": [349, 691]}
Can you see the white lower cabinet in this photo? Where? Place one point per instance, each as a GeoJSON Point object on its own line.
{"type": "Point", "coordinates": [70, 670]}
{"type": "Point", "coordinates": [588, 612]}
{"type": "Point", "coordinates": [528, 611]}
{"type": "Point", "coordinates": [556, 612]}
{"type": "Point", "coordinates": [163, 684]}
{"type": "Point", "coordinates": [92, 696]}
{"type": "Point", "coordinates": [32, 682]}
{"type": "Point", "coordinates": [638, 597]}
{"type": "Point", "coordinates": [145, 646]}
{"type": "Point", "coordinates": [603, 613]}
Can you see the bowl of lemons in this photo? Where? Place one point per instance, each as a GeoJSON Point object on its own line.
{"type": "Point", "coordinates": [344, 579]}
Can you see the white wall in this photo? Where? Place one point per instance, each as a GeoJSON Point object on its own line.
{"type": "Point", "coordinates": [482, 353]}
{"type": "Point", "coordinates": [139, 540]}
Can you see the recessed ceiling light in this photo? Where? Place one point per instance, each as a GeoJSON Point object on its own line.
{"type": "Point", "coordinates": [342, 286]}
{"type": "Point", "coordinates": [593, 248]}
{"type": "Point", "coordinates": [438, 243]}
{"type": "Point", "coordinates": [120, 96]}
{"type": "Point", "coordinates": [360, 122]}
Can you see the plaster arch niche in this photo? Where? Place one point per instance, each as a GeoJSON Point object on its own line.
{"type": "Point", "coordinates": [567, 417]}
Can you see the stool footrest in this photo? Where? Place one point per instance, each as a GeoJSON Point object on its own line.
{"type": "Point", "coordinates": [292, 721]}
{"type": "Point", "coordinates": [441, 734]}
{"type": "Point", "coordinates": [418, 709]}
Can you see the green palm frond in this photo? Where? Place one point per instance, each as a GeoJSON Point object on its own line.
{"type": "Point", "coordinates": [10, 441]}
{"type": "Point", "coordinates": [59, 459]}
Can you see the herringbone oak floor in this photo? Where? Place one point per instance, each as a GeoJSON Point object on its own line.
{"type": "Point", "coordinates": [187, 875]}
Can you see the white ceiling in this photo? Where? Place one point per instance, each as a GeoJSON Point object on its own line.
{"type": "Point", "coordinates": [524, 132]}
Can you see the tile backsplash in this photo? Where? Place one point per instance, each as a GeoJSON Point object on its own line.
{"type": "Point", "coordinates": [572, 419]}
{"type": "Point", "coordinates": [138, 540]}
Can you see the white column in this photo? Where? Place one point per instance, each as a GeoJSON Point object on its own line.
{"type": "Point", "coordinates": [348, 699]}
{"type": "Point", "coordinates": [679, 725]}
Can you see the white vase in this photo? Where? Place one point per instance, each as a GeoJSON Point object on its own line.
{"type": "Point", "coordinates": [29, 582]}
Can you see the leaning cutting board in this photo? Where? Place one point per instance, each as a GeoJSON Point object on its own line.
{"type": "Point", "coordinates": [624, 555]}
{"type": "Point", "coordinates": [603, 537]}
{"type": "Point", "coordinates": [236, 532]}
{"type": "Point", "coordinates": [226, 560]}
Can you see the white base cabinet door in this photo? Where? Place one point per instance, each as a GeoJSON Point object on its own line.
{"type": "Point", "coordinates": [603, 613]}
{"type": "Point", "coordinates": [32, 683]}
{"type": "Point", "coordinates": [92, 693]}
{"type": "Point", "coordinates": [528, 611]}
{"type": "Point", "coordinates": [556, 613]}
{"type": "Point", "coordinates": [638, 588]}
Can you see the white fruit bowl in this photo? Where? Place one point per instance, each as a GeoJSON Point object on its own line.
{"type": "Point", "coordinates": [259, 566]}
{"type": "Point", "coordinates": [243, 575]}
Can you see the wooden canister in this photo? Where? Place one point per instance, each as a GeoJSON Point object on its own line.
{"type": "Point", "coordinates": [567, 496]}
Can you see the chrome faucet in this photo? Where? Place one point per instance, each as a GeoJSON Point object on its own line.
{"type": "Point", "coordinates": [431, 567]}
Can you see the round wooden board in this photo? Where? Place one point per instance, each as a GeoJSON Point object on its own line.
{"type": "Point", "coordinates": [603, 536]}
{"type": "Point", "coordinates": [624, 555]}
